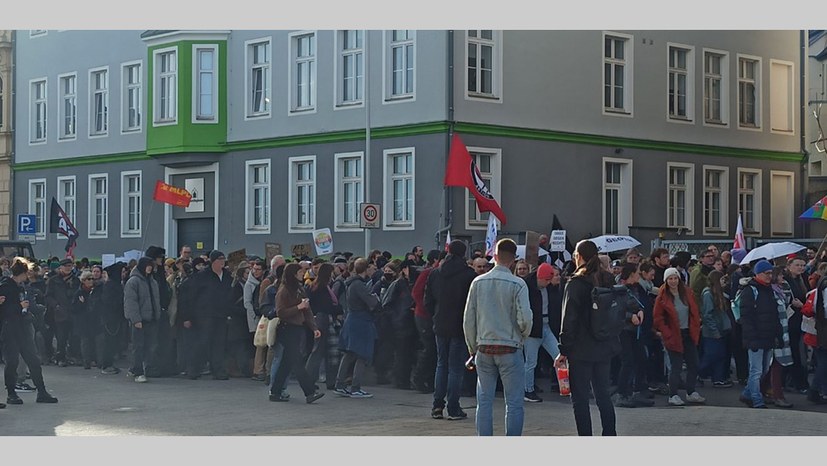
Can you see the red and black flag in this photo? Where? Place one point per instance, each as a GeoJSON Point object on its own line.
{"type": "Point", "coordinates": [462, 171]}
{"type": "Point", "coordinates": [59, 222]}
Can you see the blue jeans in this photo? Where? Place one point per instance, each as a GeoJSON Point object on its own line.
{"type": "Point", "coordinates": [531, 349]}
{"type": "Point", "coordinates": [715, 361]}
{"type": "Point", "coordinates": [509, 367]}
{"type": "Point", "coordinates": [278, 352]}
{"type": "Point", "coordinates": [759, 364]}
{"type": "Point", "coordinates": [820, 378]}
{"type": "Point", "coordinates": [450, 364]}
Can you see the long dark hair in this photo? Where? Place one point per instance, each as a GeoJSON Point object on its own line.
{"type": "Point", "coordinates": [288, 279]}
{"type": "Point", "coordinates": [681, 291]}
{"type": "Point", "coordinates": [717, 291]}
{"type": "Point", "coordinates": [587, 251]}
{"type": "Point", "coordinates": [323, 278]}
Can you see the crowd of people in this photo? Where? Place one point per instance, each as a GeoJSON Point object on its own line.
{"type": "Point", "coordinates": [446, 322]}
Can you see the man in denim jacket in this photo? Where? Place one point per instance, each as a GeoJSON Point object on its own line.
{"type": "Point", "coordinates": [497, 320]}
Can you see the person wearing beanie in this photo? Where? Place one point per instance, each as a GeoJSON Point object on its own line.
{"type": "Point", "coordinates": [677, 320]}
{"type": "Point", "coordinates": [164, 359]}
{"type": "Point", "coordinates": [212, 305]}
{"type": "Point", "coordinates": [445, 296]}
{"type": "Point", "coordinates": [60, 288]}
{"type": "Point", "coordinates": [112, 318]}
{"type": "Point", "coordinates": [541, 302]}
{"type": "Point", "coordinates": [761, 330]}
{"type": "Point", "coordinates": [142, 308]}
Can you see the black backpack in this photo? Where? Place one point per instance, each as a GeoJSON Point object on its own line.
{"type": "Point", "coordinates": [611, 309]}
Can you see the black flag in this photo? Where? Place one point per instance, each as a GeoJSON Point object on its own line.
{"type": "Point", "coordinates": [59, 222]}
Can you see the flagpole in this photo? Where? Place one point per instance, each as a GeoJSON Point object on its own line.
{"type": "Point", "coordinates": [146, 230]}
{"type": "Point", "coordinates": [367, 137]}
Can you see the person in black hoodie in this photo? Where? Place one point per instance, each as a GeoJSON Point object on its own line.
{"type": "Point", "coordinates": [210, 310]}
{"type": "Point", "coordinates": [112, 317]}
{"type": "Point", "coordinates": [589, 360]}
{"type": "Point", "coordinates": [163, 363]}
{"type": "Point", "coordinates": [16, 339]}
{"type": "Point", "coordinates": [445, 297]}
{"type": "Point", "coordinates": [87, 312]}
{"type": "Point", "coordinates": [398, 305]}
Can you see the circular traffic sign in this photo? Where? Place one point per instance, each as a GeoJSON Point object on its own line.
{"type": "Point", "coordinates": [370, 213]}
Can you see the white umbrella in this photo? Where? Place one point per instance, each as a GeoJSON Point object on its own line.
{"type": "Point", "coordinates": [771, 251]}
{"type": "Point", "coordinates": [611, 243]}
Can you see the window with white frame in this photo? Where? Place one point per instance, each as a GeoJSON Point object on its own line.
{"type": "Point", "coordinates": [488, 164]}
{"type": "Point", "coordinates": [205, 87]}
{"type": "Point", "coordinates": [617, 73]}
{"type": "Point", "coordinates": [349, 189]}
{"type": "Point", "coordinates": [99, 103]}
{"type": "Point", "coordinates": [617, 195]}
{"type": "Point", "coordinates": [131, 105]}
{"type": "Point", "coordinates": [782, 202]}
{"type": "Point", "coordinates": [258, 78]}
{"type": "Point", "coordinates": [38, 111]}
{"type": "Point", "coordinates": [66, 196]}
{"type": "Point", "coordinates": [68, 106]}
{"type": "Point", "coordinates": [166, 86]}
{"type": "Point", "coordinates": [483, 48]}
{"type": "Point", "coordinates": [716, 199]}
{"type": "Point", "coordinates": [680, 82]}
{"type": "Point", "coordinates": [352, 67]}
{"type": "Point", "coordinates": [716, 90]}
{"type": "Point", "coordinates": [402, 51]}
{"type": "Point", "coordinates": [303, 72]}
{"type": "Point", "coordinates": [399, 188]}
{"type": "Point", "coordinates": [37, 205]}
{"type": "Point", "coordinates": [131, 204]}
{"type": "Point", "coordinates": [98, 205]}
{"type": "Point", "coordinates": [749, 88]}
{"type": "Point", "coordinates": [258, 196]}
{"type": "Point", "coordinates": [302, 194]}
{"type": "Point", "coordinates": [680, 193]}
{"type": "Point", "coordinates": [781, 96]}
{"type": "Point", "coordinates": [749, 199]}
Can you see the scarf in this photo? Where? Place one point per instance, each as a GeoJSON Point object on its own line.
{"type": "Point", "coordinates": [783, 355]}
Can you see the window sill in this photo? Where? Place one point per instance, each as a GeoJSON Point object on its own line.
{"type": "Point", "coordinates": [715, 123]}
{"type": "Point", "coordinates": [302, 110]}
{"type": "Point", "coordinates": [611, 111]}
{"type": "Point", "coordinates": [397, 98]}
{"type": "Point", "coordinates": [680, 119]}
{"type": "Point", "coordinates": [477, 95]}
{"type": "Point", "coordinates": [131, 130]}
{"type": "Point", "coordinates": [255, 116]}
{"type": "Point", "coordinates": [352, 104]}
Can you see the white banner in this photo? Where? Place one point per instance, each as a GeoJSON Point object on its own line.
{"type": "Point", "coordinates": [491, 235]}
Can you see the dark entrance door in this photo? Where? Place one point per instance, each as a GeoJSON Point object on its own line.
{"type": "Point", "coordinates": [197, 233]}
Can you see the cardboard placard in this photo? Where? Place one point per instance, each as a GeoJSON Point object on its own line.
{"type": "Point", "coordinates": [532, 248]}
{"type": "Point", "coordinates": [271, 250]}
{"type": "Point", "coordinates": [303, 249]}
{"type": "Point", "coordinates": [235, 258]}
{"type": "Point", "coordinates": [558, 240]}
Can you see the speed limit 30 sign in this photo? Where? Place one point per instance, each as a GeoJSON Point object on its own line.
{"type": "Point", "coordinates": [369, 215]}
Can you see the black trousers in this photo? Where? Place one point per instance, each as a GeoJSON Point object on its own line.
{"type": "Point", "coordinates": [291, 337]}
{"type": "Point", "coordinates": [404, 355]}
{"type": "Point", "coordinates": [739, 353]}
{"type": "Point", "coordinates": [655, 366]}
{"type": "Point", "coordinates": [676, 360]}
{"type": "Point", "coordinates": [632, 364]}
{"type": "Point", "coordinates": [164, 363]}
{"type": "Point", "coordinates": [63, 330]}
{"type": "Point", "coordinates": [798, 371]}
{"type": "Point", "coordinates": [17, 342]}
{"type": "Point", "coordinates": [318, 352]}
{"type": "Point", "coordinates": [91, 346]}
{"type": "Point", "coordinates": [111, 338]}
{"type": "Point", "coordinates": [425, 369]}
{"type": "Point", "coordinates": [144, 341]}
{"type": "Point", "coordinates": [383, 349]}
{"type": "Point", "coordinates": [210, 343]}
{"type": "Point", "coordinates": [586, 376]}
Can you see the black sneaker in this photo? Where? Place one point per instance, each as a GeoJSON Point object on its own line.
{"type": "Point", "coordinates": [44, 397]}
{"type": "Point", "coordinates": [278, 398]}
{"type": "Point", "coordinates": [458, 416]}
{"type": "Point", "coordinates": [14, 400]}
{"type": "Point", "coordinates": [532, 397]}
{"type": "Point", "coordinates": [23, 387]}
{"type": "Point", "coordinates": [625, 402]}
{"type": "Point", "coordinates": [436, 413]}
{"type": "Point", "coordinates": [311, 398]}
{"type": "Point", "coordinates": [2, 405]}
{"type": "Point", "coordinates": [722, 384]}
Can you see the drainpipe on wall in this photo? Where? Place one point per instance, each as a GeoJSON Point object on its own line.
{"type": "Point", "coordinates": [13, 124]}
{"type": "Point", "coordinates": [447, 215]}
{"type": "Point", "coordinates": [805, 155]}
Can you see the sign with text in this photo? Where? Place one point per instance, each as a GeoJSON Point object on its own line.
{"type": "Point", "coordinates": [369, 215]}
{"type": "Point", "coordinates": [323, 240]}
{"type": "Point", "coordinates": [26, 224]}
{"type": "Point", "coordinates": [271, 250]}
{"type": "Point", "coordinates": [303, 249]}
{"type": "Point", "coordinates": [558, 240]}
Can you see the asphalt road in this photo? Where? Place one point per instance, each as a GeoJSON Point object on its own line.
{"type": "Point", "coordinates": [92, 404]}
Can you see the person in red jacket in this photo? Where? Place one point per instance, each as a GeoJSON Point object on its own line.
{"type": "Point", "coordinates": [678, 323]}
{"type": "Point", "coordinates": [423, 374]}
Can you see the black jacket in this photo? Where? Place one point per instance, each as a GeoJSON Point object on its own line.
{"type": "Point", "coordinates": [576, 341]}
{"type": "Point", "coordinates": [112, 299]}
{"type": "Point", "coordinates": [213, 295]}
{"type": "Point", "coordinates": [237, 324]}
{"type": "Point", "coordinates": [10, 309]}
{"type": "Point", "coordinates": [446, 294]}
{"type": "Point", "coordinates": [88, 314]}
{"type": "Point", "coordinates": [760, 327]}
{"type": "Point", "coordinates": [535, 299]}
{"type": "Point", "coordinates": [398, 304]}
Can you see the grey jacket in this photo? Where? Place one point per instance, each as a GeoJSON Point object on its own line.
{"type": "Point", "coordinates": [141, 298]}
{"type": "Point", "coordinates": [250, 286]}
{"type": "Point", "coordinates": [359, 297]}
{"type": "Point", "coordinates": [497, 311]}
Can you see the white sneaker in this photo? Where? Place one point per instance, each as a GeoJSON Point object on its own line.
{"type": "Point", "coordinates": [676, 400]}
{"type": "Point", "coordinates": [695, 397]}
{"type": "Point", "coordinates": [140, 378]}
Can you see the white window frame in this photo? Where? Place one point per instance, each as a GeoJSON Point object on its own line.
{"type": "Point", "coordinates": [495, 185]}
{"type": "Point", "coordinates": [61, 199]}
{"type": "Point", "coordinates": [690, 83]}
{"type": "Point", "coordinates": [293, 64]}
{"type": "Point", "coordinates": [628, 74]}
{"type": "Point", "coordinates": [725, 90]}
{"type": "Point", "coordinates": [387, 190]}
{"type": "Point", "coordinates": [61, 107]}
{"type": "Point", "coordinates": [790, 97]}
{"type": "Point", "coordinates": [156, 87]}
{"type": "Point", "coordinates": [758, 91]}
{"type": "Point", "coordinates": [292, 195]}
{"type": "Point", "coordinates": [197, 118]}
{"type": "Point", "coordinates": [267, 88]}
{"type": "Point", "coordinates": [387, 69]}
{"type": "Point", "coordinates": [92, 94]}
{"type": "Point", "coordinates": [338, 190]}
{"type": "Point", "coordinates": [33, 105]}
{"type": "Point", "coordinates": [126, 86]}
{"type": "Point", "coordinates": [339, 70]}
{"type": "Point", "coordinates": [92, 210]}
{"type": "Point", "coordinates": [625, 193]}
{"type": "Point", "coordinates": [496, 44]}
{"type": "Point", "coordinates": [249, 197]}
{"type": "Point", "coordinates": [690, 195]}
{"type": "Point", "coordinates": [125, 195]}
{"type": "Point", "coordinates": [757, 202]}
{"type": "Point", "coordinates": [724, 192]}
{"type": "Point", "coordinates": [789, 209]}
{"type": "Point", "coordinates": [33, 201]}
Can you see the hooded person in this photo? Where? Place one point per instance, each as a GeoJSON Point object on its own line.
{"type": "Point", "coordinates": [212, 302]}
{"type": "Point", "coordinates": [142, 308]}
{"type": "Point", "coordinates": [164, 360]}
{"type": "Point", "coordinates": [112, 317]}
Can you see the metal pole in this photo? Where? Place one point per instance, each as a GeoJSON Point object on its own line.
{"type": "Point", "coordinates": [367, 137]}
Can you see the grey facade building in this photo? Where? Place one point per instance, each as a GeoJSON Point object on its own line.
{"type": "Point", "coordinates": [666, 134]}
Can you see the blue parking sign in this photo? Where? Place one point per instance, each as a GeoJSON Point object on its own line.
{"type": "Point", "coordinates": [26, 224]}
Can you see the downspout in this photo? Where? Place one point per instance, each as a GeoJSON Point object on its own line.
{"type": "Point", "coordinates": [447, 204]}
{"type": "Point", "coordinates": [13, 127]}
{"type": "Point", "coordinates": [805, 155]}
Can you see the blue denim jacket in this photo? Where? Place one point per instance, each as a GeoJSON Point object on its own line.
{"type": "Point", "coordinates": [497, 311]}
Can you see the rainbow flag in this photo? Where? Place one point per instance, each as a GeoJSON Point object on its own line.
{"type": "Point", "coordinates": [819, 210]}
